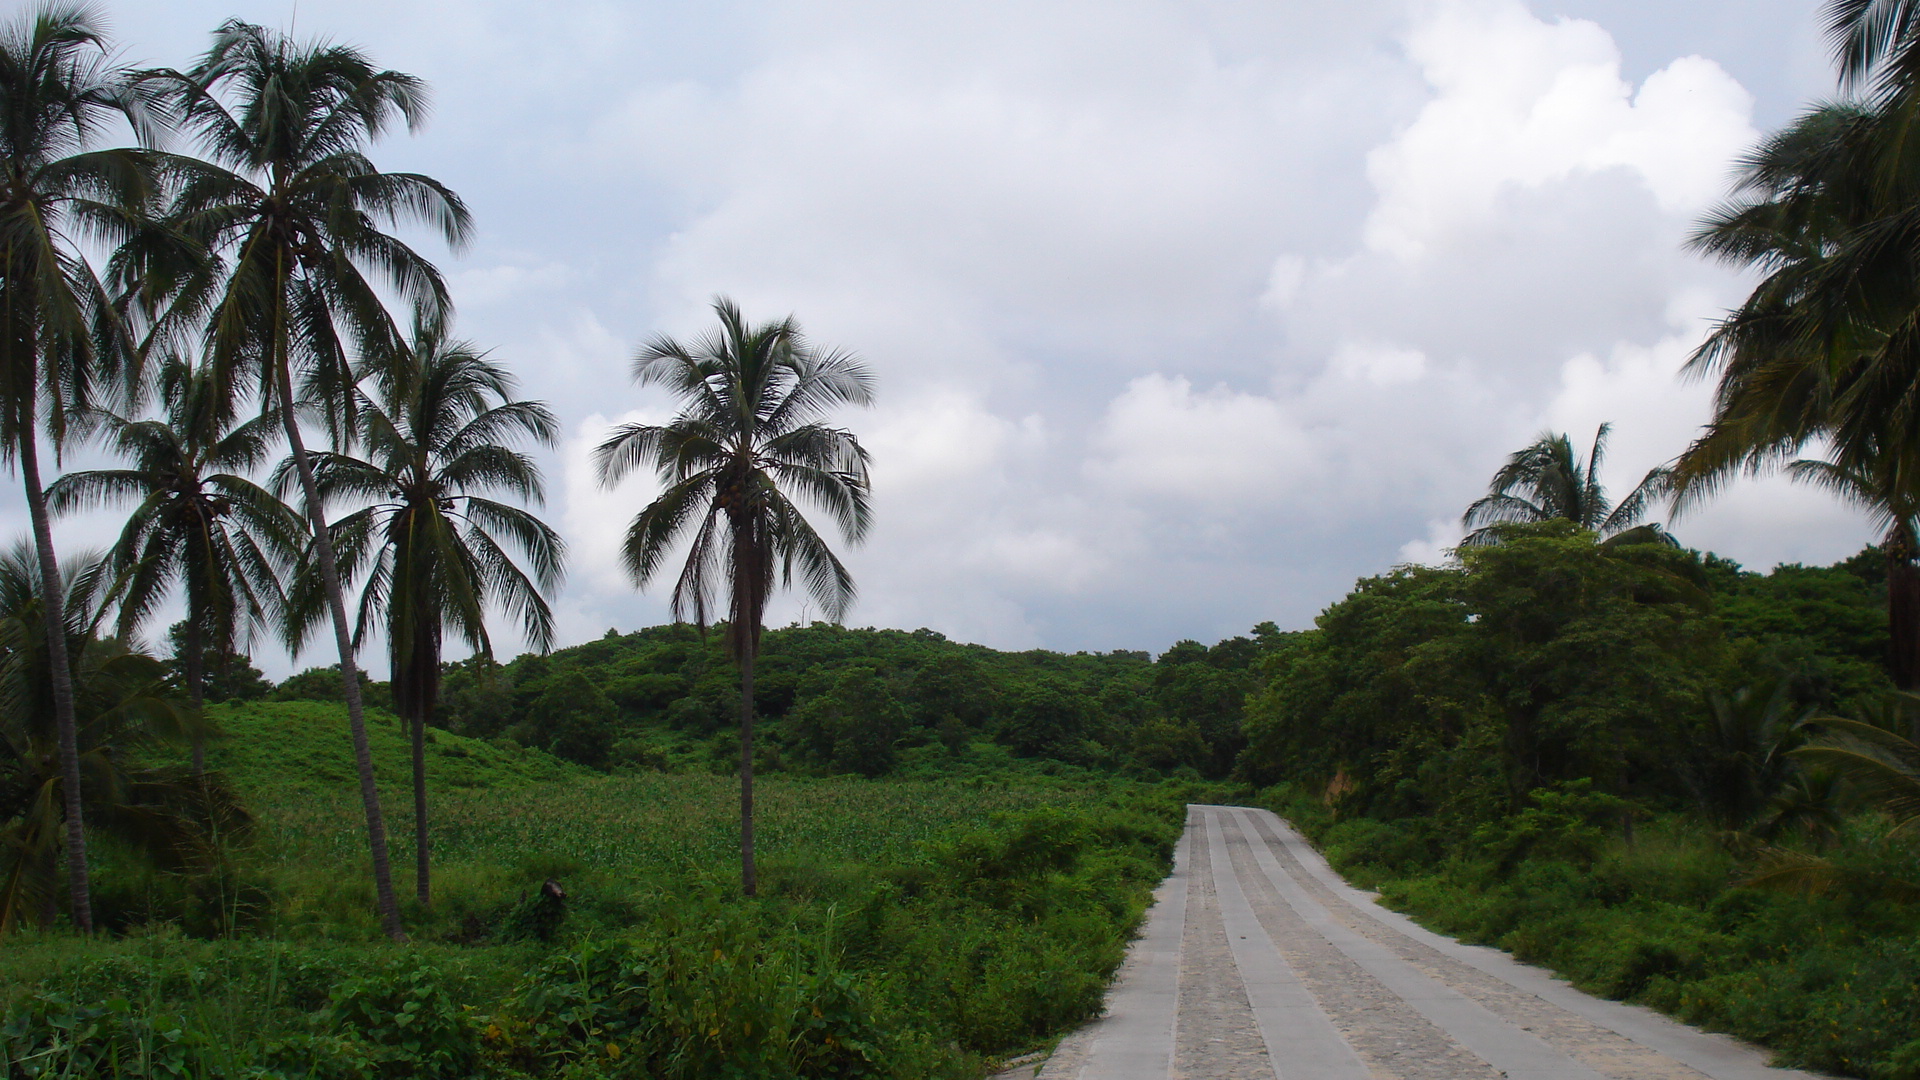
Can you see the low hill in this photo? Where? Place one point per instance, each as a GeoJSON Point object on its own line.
{"type": "Point", "coordinates": [274, 744]}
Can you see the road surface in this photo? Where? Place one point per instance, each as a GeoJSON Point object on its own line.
{"type": "Point", "coordinates": [1258, 963]}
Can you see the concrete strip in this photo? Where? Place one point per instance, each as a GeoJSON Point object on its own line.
{"type": "Point", "coordinates": [1296, 1030]}
{"type": "Point", "coordinates": [1719, 1056]}
{"type": "Point", "coordinates": [1506, 1047]}
{"type": "Point", "coordinates": [1134, 1041]}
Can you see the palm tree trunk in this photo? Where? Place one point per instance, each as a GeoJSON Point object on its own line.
{"type": "Point", "coordinates": [349, 672]}
{"type": "Point", "coordinates": [749, 878]}
{"type": "Point", "coordinates": [53, 601]}
{"type": "Point", "coordinates": [421, 693]}
{"type": "Point", "coordinates": [421, 884]}
{"type": "Point", "coordinates": [193, 668]}
{"type": "Point", "coordinates": [1903, 610]}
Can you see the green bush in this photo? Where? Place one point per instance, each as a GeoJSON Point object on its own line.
{"type": "Point", "coordinates": [402, 1022]}
{"type": "Point", "coordinates": [709, 996]}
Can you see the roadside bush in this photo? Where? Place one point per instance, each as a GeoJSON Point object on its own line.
{"type": "Point", "coordinates": [709, 996]}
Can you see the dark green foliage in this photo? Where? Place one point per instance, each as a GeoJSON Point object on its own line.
{"type": "Point", "coordinates": [1579, 753]}
{"type": "Point", "coordinates": [323, 684]}
{"type": "Point", "coordinates": [877, 702]}
{"type": "Point", "coordinates": [1543, 659]}
{"type": "Point", "coordinates": [1048, 719]}
{"type": "Point", "coordinates": [401, 1022]}
{"type": "Point", "coordinates": [852, 727]}
{"type": "Point", "coordinates": [538, 915]}
{"type": "Point", "coordinates": [228, 675]}
{"type": "Point", "coordinates": [572, 720]}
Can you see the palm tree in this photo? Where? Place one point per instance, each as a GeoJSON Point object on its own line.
{"type": "Point", "coordinates": [59, 337]}
{"type": "Point", "coordinates": [749, 434]}
{"type": "Point", "coordinates": [1825, 348]}
{"type": "Point", "coordinates": [124, 701]}
{"type": "Point", "coordinates": [439, 429]}
{"type": "Point", "coordinates": [293, 208]}
{"type": "Point", "coordinates": [196, 519]}
{"type": "Point", "coordinates": [1554, 485]}
{"type": "Point", "coordinates": [1816, 350]}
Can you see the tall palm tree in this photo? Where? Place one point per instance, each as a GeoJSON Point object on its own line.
{"type": "Point", "coordinates": [293, 208]}
{"type": "Point", "coordinates": [748, 436]}
{"type": "Point", "coordinates": [1826, 349]}
{"type": "Point", "coordinates": [438, 430]}
{"type": "Point", "coordinates": [59, 337]}
{"type": "Point", "coordinates": [196, 520]}
{"type": "Point", "coordinates": [1554, 484]}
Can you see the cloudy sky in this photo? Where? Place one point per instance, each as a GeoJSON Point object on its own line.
{"type": "Point", "coordinates": [1184, 314]}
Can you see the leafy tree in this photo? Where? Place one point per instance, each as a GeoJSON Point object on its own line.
{"type": "Point", "coordinates": [60, 336]}
{"type": "Point", "coordinates": [323, 684]}
{"type": "Point", "coordinates": [226, 675]}
{"type": "Point", "coordinates": [1167, 744]}
{"type": "Point", "coordinates": [854, 726]}
{"type": "Point", "coordinates": [196, 521]}
{"type": "Point", "coordinates": [291, 207]}
{"type": "Point", "coordinates": [1452, 693]}
{"type": "Point", "coordinates": [1554, 484]}
{"type": "Point", "coordinates": [749, 432]}
{"type": "Point", "coordinates": [1206, 689]}
{"type": "Point", "coordinates": [573, 720]}
{"type": "Point", "coordinates": [439, 428]}
{"type": "Point", "coordinates": [952, 685]}
{"type": "Point", "coordinates": [1046, 719]}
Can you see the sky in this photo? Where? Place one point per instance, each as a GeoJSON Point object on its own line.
{"type": "Point", "coordinates": [1184, 315]}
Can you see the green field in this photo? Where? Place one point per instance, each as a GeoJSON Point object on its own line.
{"type": "Point", "coordinates": [937, 924]}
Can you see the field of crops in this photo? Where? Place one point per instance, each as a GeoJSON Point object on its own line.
{"type": "Point", "coordinates": [503, 818]}
{"type": "Point", "coordinates": [916, 929]}
{"type": "Point", "coordinates": [654, 825]}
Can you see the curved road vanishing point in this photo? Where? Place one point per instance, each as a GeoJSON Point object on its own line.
{"type": "Point", "coordinates": [1258, 962]}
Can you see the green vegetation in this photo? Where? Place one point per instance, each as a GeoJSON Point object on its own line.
{"type": "Point", "coordinates": [833, 700]}
{"type": "Point", "coordinates": [905, 927]}
{"type": "Point", "coordinates": [1608, 759]}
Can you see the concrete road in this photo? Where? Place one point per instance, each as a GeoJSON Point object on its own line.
{"type": "Point", "coordinates": [1257, 962]}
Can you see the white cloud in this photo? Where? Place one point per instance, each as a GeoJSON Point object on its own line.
{"type": "Point", "coordinates": [1522, 102]}
{"type": "Point", "coordinates": [1435, 548]}
{"type": "Point", "coordinates": [1218, 446]}
{"type": "Point", "coordinates": [1381, 365]}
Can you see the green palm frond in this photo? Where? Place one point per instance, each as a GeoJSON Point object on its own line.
{"type": "Point", "coordinates": [1882, 767]}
